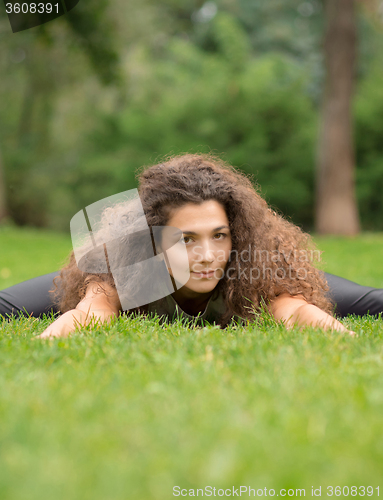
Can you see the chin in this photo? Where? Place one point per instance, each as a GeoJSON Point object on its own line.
{"type": "Point", "coordinates": [198, 285]}
{"type": "Point", "coordinates": [202, 286]}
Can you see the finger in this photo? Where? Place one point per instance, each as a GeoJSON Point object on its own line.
{"type": "Point", "coordinates": [46, 335]}
{"type": "Point", "coordinates": [43, 336]}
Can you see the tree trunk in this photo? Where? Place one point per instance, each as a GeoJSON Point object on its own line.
{"type": "Point", "coordinates": [3, 203]}
{"type": "Point", "coordinates": [336, 206]}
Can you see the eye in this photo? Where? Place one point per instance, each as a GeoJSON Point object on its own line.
{"type": "Point", "coordinates": [184, 238]}
{"type": "Point", "coordinates": [220, 234]}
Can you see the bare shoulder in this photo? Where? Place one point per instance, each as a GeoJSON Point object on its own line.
{"type": "Point", "coordinates": [284, 302]}
{"type": "Point", "coordinates": [95, 288]}
{"type": "Point", "coordinates": [102, 294]}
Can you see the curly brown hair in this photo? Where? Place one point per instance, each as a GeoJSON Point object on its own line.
{"type": "Point", "coordinates": [280, 254]}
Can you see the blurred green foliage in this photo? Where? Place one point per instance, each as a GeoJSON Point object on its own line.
{"type": "Point", "coordinates": [91, 97]}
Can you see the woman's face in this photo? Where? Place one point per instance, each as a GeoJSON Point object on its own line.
{"type": "Point", "coordinates": [207, 239]}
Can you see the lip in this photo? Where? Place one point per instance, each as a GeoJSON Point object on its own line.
{"type": "Point", "coordinates": [205, 274]}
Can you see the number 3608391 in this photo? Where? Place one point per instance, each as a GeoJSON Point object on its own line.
{"type": "Point", "coordinates": [32, 8]}
{"type": "Point", "coordinates": [353, 491]}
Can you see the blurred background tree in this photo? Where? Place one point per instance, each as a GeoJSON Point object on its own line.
{"type": "Point", "coordinates": [336, 206]}
{"type": "Point", "coordinates": [88, 98]}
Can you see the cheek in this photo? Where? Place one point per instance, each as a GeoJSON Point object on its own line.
{"type": "Point", "coordinates": [178, 260]}
{"type": "Point", "coordinates": [223, 254]}
{"type": "Point", "coordinates": [194, 253]}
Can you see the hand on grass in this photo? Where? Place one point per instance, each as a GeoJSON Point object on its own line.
{"type": "Point", "coordinates": [69, 321]}
{"type": "Point", "coordinates": [63, 325]}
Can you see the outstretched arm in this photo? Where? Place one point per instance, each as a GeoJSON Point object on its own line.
{"type": "Point", "coordinates": [95, 306]}
{"type": "Point", "coordinates": [295, 310]}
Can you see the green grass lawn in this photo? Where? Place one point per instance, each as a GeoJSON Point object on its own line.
{"type": "Point", "coordinates": [358, 259]}
{"type": "Point", "coordinates": [132, 409]}
{"type": "Point", "coordinates": [28, 252]}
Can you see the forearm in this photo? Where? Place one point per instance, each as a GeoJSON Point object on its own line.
{"type": "Point", "coordinates": [88, 312]}
{"type": "Point", "coordinates": [308, 314]}
{"type": "Point", "coordinates": [69, 321]}
{"type": "Point", "coordinates": [96, 306]}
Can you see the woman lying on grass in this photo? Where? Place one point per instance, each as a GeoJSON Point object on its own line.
{"type": "Point", "coordinates": [241, 255]}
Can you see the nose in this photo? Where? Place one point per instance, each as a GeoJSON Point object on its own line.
{"type": "Point", "coordinates": [207, 252]}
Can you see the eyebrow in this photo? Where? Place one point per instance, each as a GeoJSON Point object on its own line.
{"type": "Point", "coordinates": [213, 231]}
